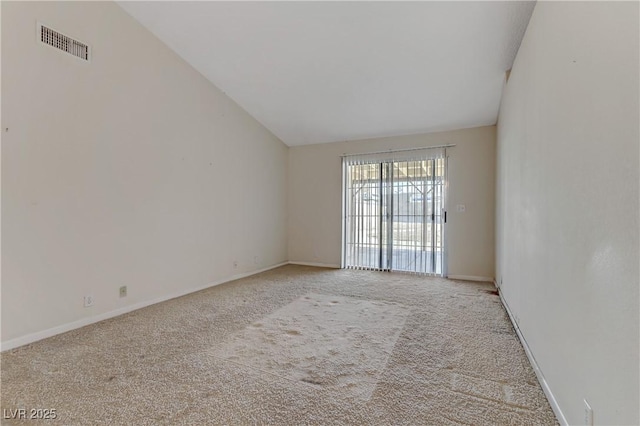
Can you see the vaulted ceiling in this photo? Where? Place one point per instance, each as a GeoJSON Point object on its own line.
{"type": "Point", "coordinates": [315, 72]}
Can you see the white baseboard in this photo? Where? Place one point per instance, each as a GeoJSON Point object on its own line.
{"type": "Point", "coordinates": [470, 278]}
{"type": "Point", "coordinates": [543, 383]}
{"type": "Point", "coordinates": [319, 265]}
{"type": "Point", "coordinates": [39, 335]}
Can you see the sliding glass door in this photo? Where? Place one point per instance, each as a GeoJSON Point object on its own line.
{"type": "Point", "coordinates": [394, 213]}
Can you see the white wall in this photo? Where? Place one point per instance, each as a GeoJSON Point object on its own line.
{"type": "Point", "coordinates": [567, 215]}
{"type": "Point", "coordinates": [130, 170]}
{"type": "Point", "coordinates": [315, 197]}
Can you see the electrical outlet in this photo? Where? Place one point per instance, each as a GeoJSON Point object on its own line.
{"type": "Point", "coordinates": [588, 413]}
{"type": "Point", "coordinates": [235, 264]}
{"type": "Point", "coordinates": [88, 301]}
{"type": "Point", "coordinates": [461, 208]}
{"type": "Point", "coordinates": [255, 260]}
{"type": "Point", "coordinates": [123, 291]}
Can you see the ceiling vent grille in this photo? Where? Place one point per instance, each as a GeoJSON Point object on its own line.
{"type": "Point", "coordinates": [62, 42]}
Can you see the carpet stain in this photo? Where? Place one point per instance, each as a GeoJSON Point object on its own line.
{"type": "Point", "coordinates": [339, 350]}
{"type": "Point", "coordinates": [311, 381]}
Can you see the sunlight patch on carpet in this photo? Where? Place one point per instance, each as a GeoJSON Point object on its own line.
{"type": "Point", "coordinates": [334, 343]}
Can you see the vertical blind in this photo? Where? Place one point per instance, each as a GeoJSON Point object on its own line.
{"type": "Point", "coordinates": [393, 211]}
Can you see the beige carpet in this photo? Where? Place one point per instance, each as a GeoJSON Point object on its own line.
{"type": "Point", "coordinates": [296, 345]}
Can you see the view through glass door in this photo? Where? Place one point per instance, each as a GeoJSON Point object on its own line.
{"type": "Point", "coordinates": [394, 214]}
